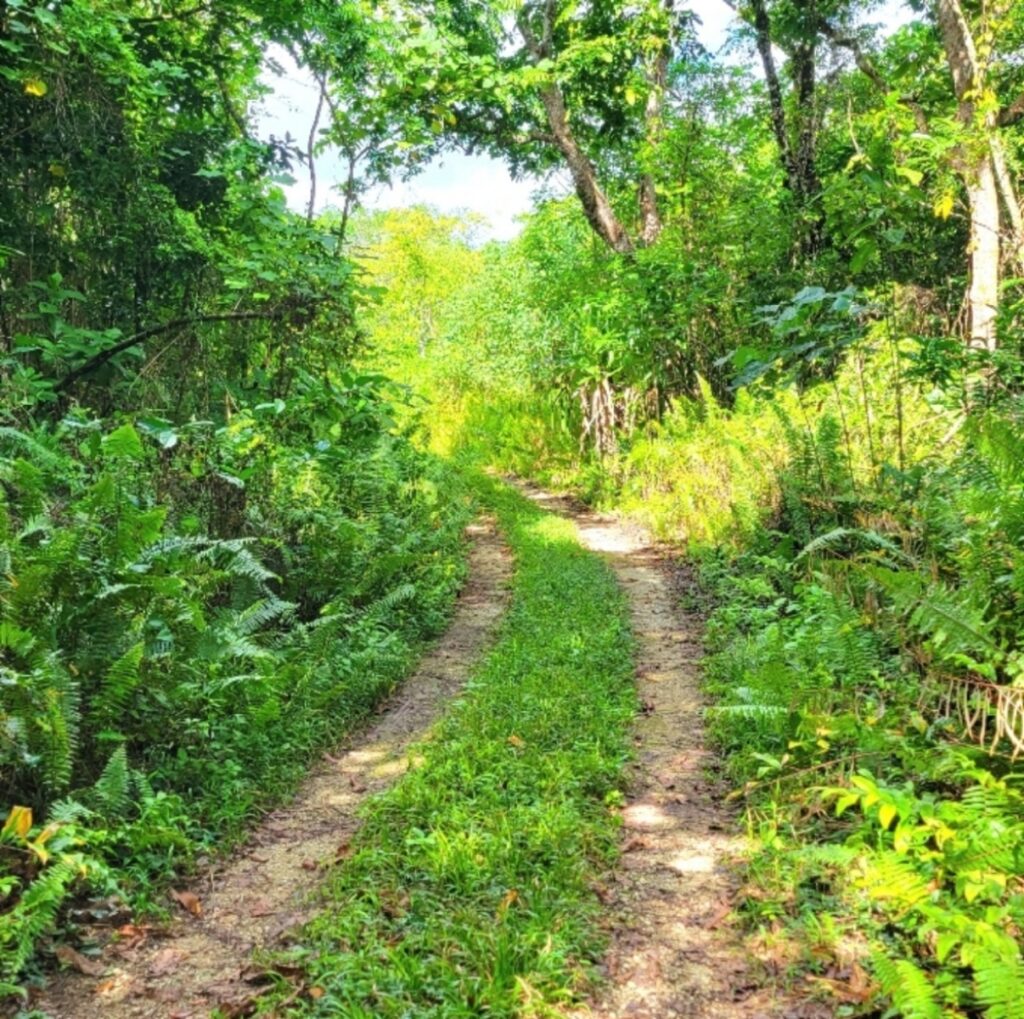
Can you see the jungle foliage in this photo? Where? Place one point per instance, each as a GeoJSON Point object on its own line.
{"type": "Point", "coordinates": [776, 314]}
{"type": "Point", "coordinates": [796, 383]}
{"type": "Point", "coordinates": [218, 550]}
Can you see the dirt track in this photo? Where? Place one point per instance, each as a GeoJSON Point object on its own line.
{"type": "Point", "coordinates": [671, 952]}
{"type": "Point", "coordinates": [257, 897]}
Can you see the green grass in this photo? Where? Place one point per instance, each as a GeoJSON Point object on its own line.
{"type": "Point", "coordinates": [470, 889]}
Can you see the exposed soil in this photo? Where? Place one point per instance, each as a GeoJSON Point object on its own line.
{"type": "Point", "coordinates": [257, 897]}
{"type": "Point", "coordinates": [672, 952]}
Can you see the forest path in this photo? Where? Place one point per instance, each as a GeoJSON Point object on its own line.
{"type": "Point", "coordinates": [671, 954]}
{"type": "Point", "coordinates": [254, 899]}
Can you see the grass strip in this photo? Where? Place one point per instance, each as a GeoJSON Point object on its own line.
{"type": "Point", "coordinates": [469, 891]}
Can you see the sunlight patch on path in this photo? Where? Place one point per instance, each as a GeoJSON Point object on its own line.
{"type": "Point", "coordinates": [670, 953]}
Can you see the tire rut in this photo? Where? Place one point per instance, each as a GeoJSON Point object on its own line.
{"type": "Point", "coordinates": [254, 900]}
{"type": "Point", "coordinates": [671, 953]}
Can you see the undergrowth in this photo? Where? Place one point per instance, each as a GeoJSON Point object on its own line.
{"type": "Point", "coordinates": [187, 614]}
{"type": "Point", "coordinates": [468, 892]}
{"type": "Point", "coordinates": [866, 666]}
{"type": "Point", "coordinates": [862, 541]}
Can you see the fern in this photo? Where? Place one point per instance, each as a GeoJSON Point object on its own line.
{"type": "Point", "coordinates": [891, 876]}
{"type": "Point", "coordinates": [912, 993]}
{"type": "Point", "coordinates": [999, 985]}
{"type": "Point", "coordinates": [69, 811]}
{"type": "Point", "coordinates": [841, 535]}
{"type": "Point", "coordinates": [396, 596]}
{"type": "Point", "coordinates": [11, 438]}
{"type": "Point", "coordinates": [259, 614]}
{"type": "Point", "coordinates": [112, 792]}
{"type": "Point", "coordinates": [35, 912]}
{"type": "Point", "coordinates": [44, 700]}
{"type": "Point", "coordinates": [954, 621]}
{"type": "Point", "coordinates": [118, 685]}
{"type": "Point", "coordinates": [57, 727]}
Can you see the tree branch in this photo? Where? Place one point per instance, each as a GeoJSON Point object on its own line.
{"type": "Point", "coordinates": [867, 67]}
{"type": "Point", "coordinates": [763, 35]}
{"type": "Point", "coordinates": [532, 43]}
{"type": "Point", "coordinates": [100, 359]}
{"type": "Point", "coordinates": [321, 80]}
{"type": "Point", "coordinates": [1012, 114]}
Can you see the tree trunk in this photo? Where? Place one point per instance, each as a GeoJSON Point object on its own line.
{"type": "Point", "coordinates": [657, 77]}
{"type": "Point", "coordinates": [596, 207]}
{"type": "Point", "coordinates": [807, 184]}
{"type": "Point", "coordinates": [1011, 203]}
{"type": "Point", "coordinates": [983, 294]}
{"type": "Point", "coordinates": [797, 147]}
{"type": "Point", "coordinates": [979, 173]}
{"type": "Point", "coordinates": [763, 34]}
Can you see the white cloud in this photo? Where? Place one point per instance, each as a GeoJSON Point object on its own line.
{"type": "Point", "coordinates": [460, 183]}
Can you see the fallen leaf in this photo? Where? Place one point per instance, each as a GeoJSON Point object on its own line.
{"type": "Point", "coordinates": [133, 934]}
{"type": "Point", "coordinates": [188, 901]}
{"type": "Point", "coordinates": [720, 914]}
{"type": "Point", "coordinates": [90, 967]}
{"type": "Point", "coordinates": [167, 960]}
{"type": "Point", "coordinates": [509, 898]}
{"type": "Point", "coordinates": [316, 993]}
{"type": "Point", "coordinates": [852, 993]}
{"type": "Point", "coordinates": [309, 865]}
{"type": "Point", "coordinates": [636, 842]}
{"type": "Point", "coordinates": [516, 741]}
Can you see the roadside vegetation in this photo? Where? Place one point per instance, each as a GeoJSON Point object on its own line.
{"type": "Point", "coordinates": [217, 549]}
{"type": "Point", "coordinates": [776, 316]}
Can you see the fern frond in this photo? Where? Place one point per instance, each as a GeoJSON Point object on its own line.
{"type": "Point", "coordinates": [911, 992]}
{"type": "Point", "coordinates": [891, 876]}
{"type": "Point", "coordinates": [35, 913]}
{"type": "Point", "coordinates": [953, 621]}
{"type": "Point", "coordinates": [118, 685]}
{"type": "Point", "coordinates": [111, 794]}
{"type": "Point", "coordinates": [839, 535]}
{"type": "Point", "coordinates": [999, 986]}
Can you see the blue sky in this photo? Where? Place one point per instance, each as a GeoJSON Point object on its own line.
{"type": "Point", "coordinates": [455, 183]}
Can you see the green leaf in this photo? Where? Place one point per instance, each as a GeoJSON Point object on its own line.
{"type": "Point", "coordinates": [124, 443]}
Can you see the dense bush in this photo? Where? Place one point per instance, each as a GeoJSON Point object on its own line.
{"type": "Point", "coordinates": [867, 698]}
{"type": "Point", "coordinates": [187, 613]}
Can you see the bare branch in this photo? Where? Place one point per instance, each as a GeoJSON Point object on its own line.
{"type": "Point", "coordinates": [100, 359]}
{"type": "Point", "coordinates": [321, 80]}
